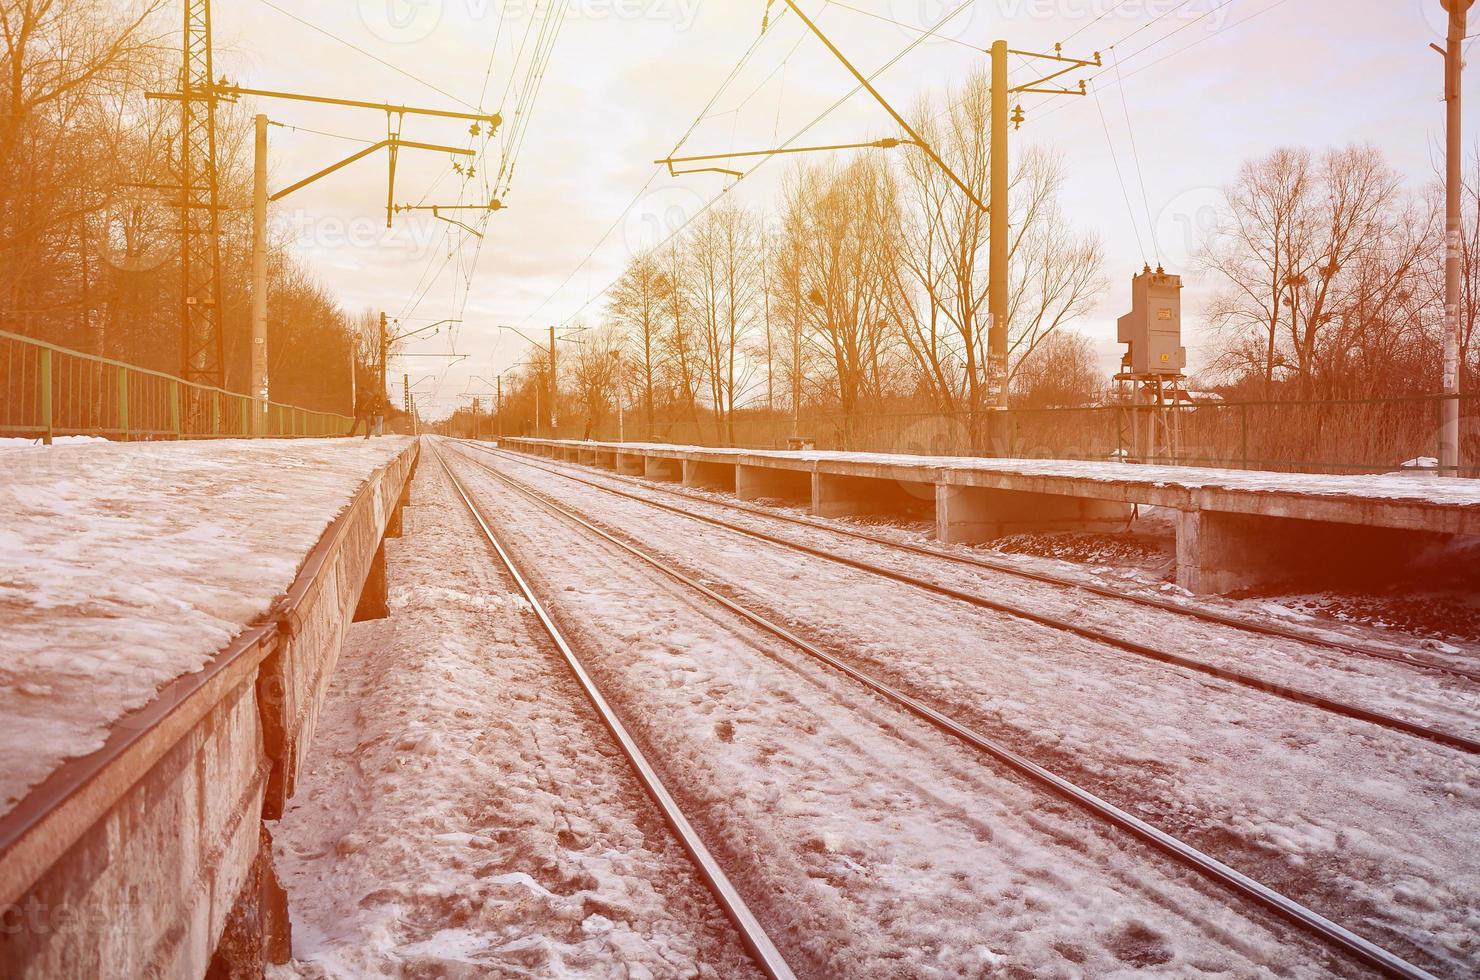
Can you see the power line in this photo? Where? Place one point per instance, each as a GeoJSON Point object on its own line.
{"type": "Point", "coordinates": [1092, 23]}
{"type": "Point", "coordinates": [374, 57]}
{"type": "Point", "coordinates": [723, 85]}
{"type": "Point", "coordinates": [899, 23]}
{"type": "Point", "coordinates": [605, 235]}
{"type": "Point", "coordinates": [1120, 178]}
{"type": "Point", "coordinates": [1136, 156]}
{"type": "Point", "coordinates": [1171, 54]}
{"type": "Point", "coordinates": [719, 91]}
{"type": "Point", "coordinates": [951, 15]}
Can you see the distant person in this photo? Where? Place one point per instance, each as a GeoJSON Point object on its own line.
{"type": "Point", "coordinates": [364, 412]}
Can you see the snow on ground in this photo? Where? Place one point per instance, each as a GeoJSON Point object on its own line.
{"type": "Point", "coordinates": [868, 842]}
{"type": "Point", "coordinates": [125, 565]}
{"type": "Point", "coordinates": [1370, 827]}
{"type": "Point", "coordinates": [1385, 486]}
{"type": "Point", "coordinates": [1434, 698]}
{"type": "Point", "coordinates": [464, 813]}
{"type": "Point", "coordinates": [12, 442]}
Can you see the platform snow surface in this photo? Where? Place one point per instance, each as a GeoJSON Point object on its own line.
{"type": "Point", "coordinates": [124, 566]}
{"type": "Point", "coordinates": [1394, 487]}
{"type": "Point", "coordinates": [464, 813]}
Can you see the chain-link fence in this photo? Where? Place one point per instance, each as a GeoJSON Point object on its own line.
{"type": "Point", "coordinates": [1350, 436]}
{"type": "Point", "coordinates": [47, 391]}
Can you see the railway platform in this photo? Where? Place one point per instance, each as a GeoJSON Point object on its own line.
{"type": "Point", "coordinates": [1234, 527]}
{"type": "Point", "coordinates": [172, 614]}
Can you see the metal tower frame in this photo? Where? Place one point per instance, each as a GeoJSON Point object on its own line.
{"type": "Point", "coordinates": [201, 351]}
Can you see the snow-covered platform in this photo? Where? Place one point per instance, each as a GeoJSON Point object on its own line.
{"type": "Point", "coordinates": [1234, 527]}
{"type": "Point", "coordinates": [171, 614]}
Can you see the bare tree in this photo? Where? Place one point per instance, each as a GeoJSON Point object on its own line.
{"type": "Point", "coordinates": [1265, 220]}
{"type": "Point", "coordinates": [723, 284]}
{"type": "Point", "coordinates": [842, 221]}
{"type": "Point", "coordinates": [1061, 372]}
{"type": "Point", "coordinates": [637, 307]}
{"type": "Point", "coordinates": [684, 359]}
{"type": "Point", "coordinates": [595, 371]}
{"type": "Point", "coordinates": [1323, 261]}
{"type": "Point", "coordinates": [939, 285]}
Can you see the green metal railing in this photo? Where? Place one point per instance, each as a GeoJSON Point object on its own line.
{"type": "Point", "coordinates": [47, 391]}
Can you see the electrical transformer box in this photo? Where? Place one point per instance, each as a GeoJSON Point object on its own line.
{"type": "Point", "coordinates": [1153, 327]}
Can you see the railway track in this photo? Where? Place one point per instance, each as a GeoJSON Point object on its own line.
{"type": "Point", "coordinates": [1323, 929]}
{"type": "Point", "coordinates": [1006, 568]}
{"type": "Point", "coordinates": [752, 935]}
{"type": "Point", "coordinates": [1462, 742]}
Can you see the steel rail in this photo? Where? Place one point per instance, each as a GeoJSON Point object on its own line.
{"type": "Point", "coordinates": [752, 934]}
{"type": "Point", "coordinates": [1206, 615]}
{"type": "Point", "coordinates": [1452, 740]}
{"type": "Point", "coordinates": [1181, 852]}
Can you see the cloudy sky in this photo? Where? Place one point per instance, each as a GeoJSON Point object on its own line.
{"type": "Point", "coordinates": [1200, 85]}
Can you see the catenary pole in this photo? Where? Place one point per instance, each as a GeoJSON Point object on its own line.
{"type": "Point", "coordinates": [554, 389]}
{"type": "Point", "coordinates": [1449, 460]}
{"type": "Point", "coordinates": [997, 234]}
{"type": "Point", "coordinates": [259, 279]}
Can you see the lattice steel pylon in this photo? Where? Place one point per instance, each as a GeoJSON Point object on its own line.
{"type": "Point", "coordinates": [201, 350]}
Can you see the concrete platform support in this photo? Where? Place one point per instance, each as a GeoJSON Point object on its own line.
{"type": "Point", "coordinates": [857, 496]}
{"type": "Point", "coordinates": [662, 468]}
{"type": "Point", "coordinates": [606, 459]}
{"type": "Point", "coordinates": [373, 603]}
{"type": "Point", "coordinates": [585, 456]}
{"type": "Point", "coordinates": [1220, 552]}
{"type": "Point", "coordinates": [630, 464]}
{"type": "Point", "coordinates": [159, 878]}
{"type": "Point", "coordinates": [972, 515]}
{"type": "Point", "coordinates": [766, 483]}
{"type": "Point", "coordinates": [709, 476]}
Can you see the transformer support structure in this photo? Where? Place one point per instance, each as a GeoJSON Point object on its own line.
{"type": "Point", "coordinates": [1150, 407]}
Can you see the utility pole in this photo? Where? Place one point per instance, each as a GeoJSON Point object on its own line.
{"type": "Point", "coordinates": [500, 403]}
{"type": "Point", "coordinates": [406, 392]}
{"type": "Point", "coordinates": [997, 234]}
{"type": "Point", "coordinates": [998, 245]}
{"type": "Point", "coordinates": [259, 279]}
{"type": "Point", "coordinates": [475, 419]}
{"type": "Point", "coordinates": [1449, 458]}
{"type": "Point", "coordinates": [201, 352]}
{"type": "Point", "coordinates": [554, 389]}
{"type": "Point", "coordinates": [997, 207]}
{"type": "Point", "coordinates": [201, 348]}
{"type": "Point", "coordinates": [384, 347]}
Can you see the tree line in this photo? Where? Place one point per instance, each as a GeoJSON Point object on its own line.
{"type": "Point", "coordinates": [861, 293]}
{"type": "Point", "coordinates": [90, 228]}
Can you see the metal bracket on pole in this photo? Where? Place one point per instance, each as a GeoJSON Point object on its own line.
{"type": "Point", "coordinates": [393, 142]}
{"type": "Point", "coordinates": [887, 143]}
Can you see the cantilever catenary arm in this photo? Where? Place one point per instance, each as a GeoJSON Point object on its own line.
{"type": "Point", "coordinates": [392, 141]}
